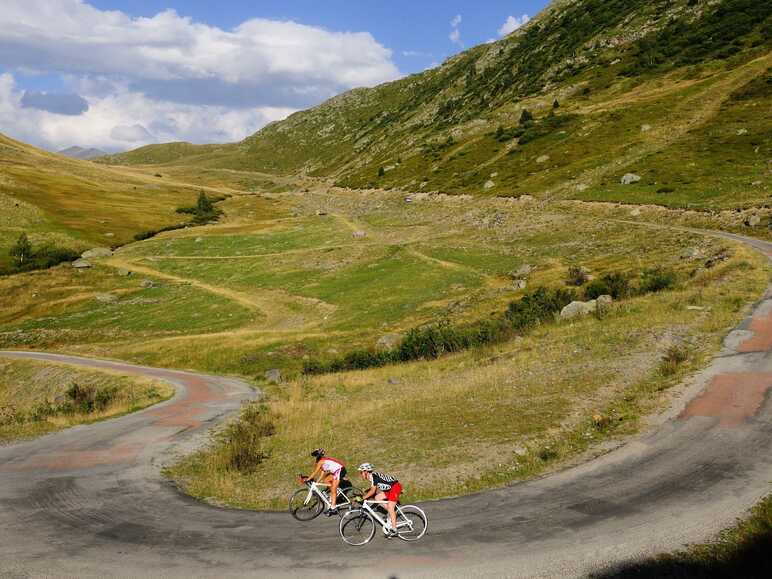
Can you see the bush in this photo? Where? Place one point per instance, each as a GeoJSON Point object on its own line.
{"type": "Point", "coordinates": [25, 258]}
{"type": "Point", "coordinates": [613, 284]}
{"type": "Point", "coordinates": [537, 307]}
{"type": "Point", "coordinates": [656, 280]}
{"type": "Point", "coordinates": [243, 439]}
{"type": "Point", "coordinates": [673, 358]}
{"type": "Point", "coordinates": [577, 276]}
{"type": "Point", "coordinates": [88, 399]}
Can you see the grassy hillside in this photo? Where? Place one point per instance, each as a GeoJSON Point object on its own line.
{"type": "Point", "coordinates": [74, 203]}
{"type": "Point", "coordinates": [640, 86]}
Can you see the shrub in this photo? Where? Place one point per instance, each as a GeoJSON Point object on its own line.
{"type": "Point", "coordinates": [243, 439]}
{"type": "Point", "coordinates": [525, 117]}
{"type": "Point", "coordinates": [655, 280]}
{"type": "Point", "coordinates": [21, 250]}
{"type": "Point", "coordinates": [537, 306]}
{"type": "Point", "coordinates": [673, 358]}
{"type": "Point", "coordinates": [613, 284]}
{"type": "Point", "coordinates": [577, 276]}
{"type": "Point", "coordinates": [25, 258]}
{"type": "Point", "coordinates": [381, 171]}
{"type": "Point", "coordinates": [88, 399]}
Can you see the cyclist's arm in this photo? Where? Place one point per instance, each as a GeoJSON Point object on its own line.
{"type": "Point", "coordinates": [316, 472]}
{"type": "Point", "coordinates": [370, 492]}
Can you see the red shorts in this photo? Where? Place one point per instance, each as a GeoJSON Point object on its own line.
{"type": "Point", "coordinates": [392, 495]}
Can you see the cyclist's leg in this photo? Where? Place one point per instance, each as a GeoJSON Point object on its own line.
{"type": "Point", "coordinates": [392, 497]}
{"type": "Point", "coordinates": [334, 482]}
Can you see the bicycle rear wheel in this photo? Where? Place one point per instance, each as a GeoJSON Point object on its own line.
{"type": "Point", "coordinates": [411, 524]}
{"type": "Point", "coordinates": [302, 510]}
{"type": "Point", "coordinates": [357, 528]}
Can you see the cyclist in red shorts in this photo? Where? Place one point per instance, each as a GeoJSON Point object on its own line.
{"type": "Point", "coordinates": [385, 488]}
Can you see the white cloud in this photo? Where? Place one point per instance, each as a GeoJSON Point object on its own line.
{"type": "Point", "coordinates": [512, 23]}
{"type": "Point", "coordinates": [125, 119]}
{"type": "Point", "coordinates": [180, 69]}
{"type": "Point", "coordinates": [455, 32]}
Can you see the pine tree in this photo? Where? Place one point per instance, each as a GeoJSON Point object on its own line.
{"type": "Point", "coordinates": [204, 205]}
{"type": "Point", "coordinates": [525, 117]}
{"type": "Point", "coordinates": [381, 171]}
{"type": "Point", "coordinates": [22, 251]}
{"type": "Point", "coordinates": [556, 104]}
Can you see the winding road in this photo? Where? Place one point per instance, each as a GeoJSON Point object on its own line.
{"type": "Point", "coordinates": [91, 502]}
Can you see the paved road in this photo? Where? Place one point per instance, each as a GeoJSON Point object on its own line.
{"type": "Point", "coordinates": [90, 501]}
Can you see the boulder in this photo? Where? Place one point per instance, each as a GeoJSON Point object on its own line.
{"type": "Point", "coordinates": [523, 271]}
{"type": "Point", "coordinates": [388, 342]}
{"type": "Point", "coordinates": [147, 283]}
{"type": "Point", "coordinates": [81, 264]}
{"type": "Point", "coordinates": [394, 381]}
{"type": "Point", "coordinates": [577, 309]}
{"type": "Point", "coordinates": [741, 132]}
{"type": "Point", "coordinates": [106, 298]}
{"type": "Point", "coordinates": [542, 159]}
{"type": "Point", "coordinates": [603, 303]}
{"type": "Point", "coordinates": [97, 252]}
{"type": "Point", "coordinates": [582, 187]}
{"type": "Point", "coordinates": [359, 235]}
{"type": "Point", "coordinates": [754, 220]}
{"type": "Point", "coordinates": [199, 239]}
{"type": "Point", "coordinates": [635, 212]}
{"type": "Point", "coordinates": [629, 179]}
{"type": "Point", "coordinates": [525, 198]}
{"type": "Point", "coordinates": [519, 284]}
{"type": "Point", "coordinates": [645, 128]}
{"type": "Point", "coordinates": [489, 184]}
{"type": "Point", "coordinates": [123, 272]}
{"type": "Point", "coordinates": [273, 376]}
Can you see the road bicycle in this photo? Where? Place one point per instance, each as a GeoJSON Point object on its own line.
{"type": "Point", "coordinates": [357, 526]}
{"type": "Point", "coordinates": [308, 503]}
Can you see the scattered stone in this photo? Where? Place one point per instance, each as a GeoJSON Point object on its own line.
{"type": "Point", "coordinates": [630, 178]}
{"type": "Point", "coordinates": [388, 342]}
{"type": "Point", "coordinates": [645, 128]}
{"type": "Point", "coordinates": [576, 309]}
{"type": "Point", "coordinates": [321, 213]}
{"type": "Point", "coordinates": [494, 174]}
{"type": "Point", "coordinates": [489, 184]}
{"type": "Point", "coordinates": [199, 239]}
{"type": "Point", "coordinates": [520, 451]}
{"type": "Point", "coordinates": [147, 283]}
{"type": "Point", "coordinates": [359, 235]}
{"type": "Point", "coordinates": [106, 298]}
{"type": "Point", "coordinates": [582, 187]}
{"type": "Point", "coordinates": [754, 220]}
{"type": "Point", "coordinates": [603, 303]}
{"type": "Point", "coordinates": [123, 272]}
{"type": "Point", "coordinates": [524, 270]}
{"type": "Point", "coordinates": [520, 284]}
{"type": "Point", "coordinates": [81, 264]}
{"type": "Point", "coordinates": [408, 199]}
{"type": "Point", "coordinates": [695, 308]}
{"type": "Point", "coordinates": [394, 381]}
{"type": "Point", "coordinates": [543, 159]}
{"type": "Point", "coordinates": [756, 184]}
{"type": "Point", "coordinates": [273, 376]}
{"type": "Point", "coordinates": [525, 198]}
{"type": "Point", "coordinates": [97, 252]}
{"type": "Point", "coordinates": [635, 212]}
{"type": "Point", "coordinates": [691, 253]}
{"type": "Point", "coordinates": [109, 234]}
{"type": "Point", "coordinates": [741, 132]}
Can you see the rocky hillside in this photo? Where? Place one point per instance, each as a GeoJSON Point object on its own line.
{"type": "Point", "coordinates": [676, 94]}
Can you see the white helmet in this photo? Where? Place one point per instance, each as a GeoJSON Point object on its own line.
{"type": "Point", "coordinates": [366, 466]}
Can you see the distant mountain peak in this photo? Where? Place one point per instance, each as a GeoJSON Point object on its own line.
{"type": "Point", "coordinates": [76, 152]}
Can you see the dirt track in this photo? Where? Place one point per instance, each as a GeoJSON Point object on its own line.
{"type": "Point", "coordinates": [90, 501]}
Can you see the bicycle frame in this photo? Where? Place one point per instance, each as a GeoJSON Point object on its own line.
{"type": "Point", "coordinates": [314, 488]}
{"type": "Point", "coordinates": [404, 522]}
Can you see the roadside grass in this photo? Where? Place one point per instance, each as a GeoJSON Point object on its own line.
{"type": "Point", "coordinates": [485, 417]}
{"type": "Point", "coordinates": [37, 397]}
{"type": "Point", "coordinates": [741, 551]}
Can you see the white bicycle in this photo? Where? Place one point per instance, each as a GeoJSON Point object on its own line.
{"type": "Point", "coordinates": [357, 527]}
{"type": "Point", "coordinates": [308, 503]}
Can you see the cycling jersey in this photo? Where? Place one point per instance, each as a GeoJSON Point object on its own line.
{"type": "Point", "coordinates": [382, 481]}
{"type": "Point", "coordinates": [332, 466]}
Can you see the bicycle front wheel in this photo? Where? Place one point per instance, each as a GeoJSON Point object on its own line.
{"type": "Point", "coordinates": [412, 523]}
{"type": "Point", "coordinates": [357, 528]}
{"type": "Point", "coordinates": [303, 507]}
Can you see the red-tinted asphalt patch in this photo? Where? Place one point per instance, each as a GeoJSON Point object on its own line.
{"type": "Point", "coordinates": [761, 341]}
{"type": "Point", "coordinates": [732, 398]}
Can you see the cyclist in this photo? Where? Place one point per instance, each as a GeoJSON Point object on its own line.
{"type": "Point", "coordinates": [385, 488]}
{"type": "Point", "coordinates": [332, 472]}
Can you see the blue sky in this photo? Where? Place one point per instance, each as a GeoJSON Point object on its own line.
{"type": "Point", "coordinates": [119, 74]}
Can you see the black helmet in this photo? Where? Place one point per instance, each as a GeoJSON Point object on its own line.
{"type": "Point", "coordinates": [318, 453]}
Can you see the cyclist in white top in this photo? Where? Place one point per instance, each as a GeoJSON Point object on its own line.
{"type": "Point", "coordinates": [331, 471]}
